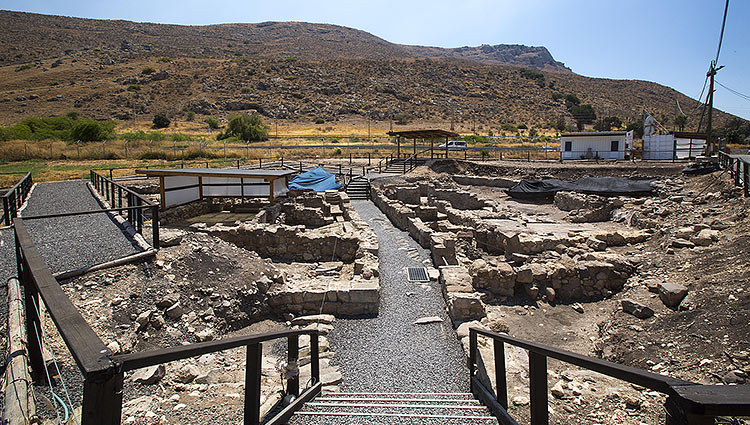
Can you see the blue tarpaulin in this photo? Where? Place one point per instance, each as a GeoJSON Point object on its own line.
{"type": "Point", "coordinates": [317, 179]}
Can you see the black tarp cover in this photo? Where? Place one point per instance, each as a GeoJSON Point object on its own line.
{"type": "Point", "coordinates": [604, 186]}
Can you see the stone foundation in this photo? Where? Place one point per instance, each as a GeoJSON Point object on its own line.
{"type": "Point", "coordinates": [342, 298]}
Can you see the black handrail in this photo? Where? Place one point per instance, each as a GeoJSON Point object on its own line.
{"type": "Point", "coordinates": [685, 399]}
{"type": "Point", "coordinates": [103, 372]}
{"type": "Point", "coordinates": [15, 197]}
{"type": "Point", "coordinates": [135, 204]}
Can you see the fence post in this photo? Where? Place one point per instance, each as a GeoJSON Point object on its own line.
{"type": "Point", "coordinates": [252, 384]}
{"type": "Point", "coordinates": [314, 358]}
{"type": "Point", "coordinates": [369, 161]}
{"type": "Point", "coordinates": [102, 399]}
{"type": "Point", "coordinates": [746, 174]}
{"type": "Point", "coordinates": [500, 380]}
{"type": "Point", "coordinates": [33, 324]}
{"type": "Point", "coordinates": [155, 226]}
{"type": "Point", "coordinates": [538, 388]}
{"type": "Point", "coordinates": [292, 385]}
{"type": "Point", "coordinates": [6, 211]}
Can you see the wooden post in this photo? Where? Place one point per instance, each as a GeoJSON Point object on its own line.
{"type": "Point", "coordinates": [33, 324]}
{"type": "Point", "coordinates": [292, 386]}
{"type": "Point", "coordinates": [446, 147]}
{"type": "Point", "coordinates": [155, 226]}
{"type": "Point", "coordinates": [102, 399]}
{"type": "Point", "coordinates": [538, 389]}
{"type": "Point", "coordinates": [398, 146]}
{"type": "Point", "coordinates": [472, 357]}
{"type": "Point", "coordinates": [252, 384]}
{"type": "Point", "coordinates": [19, 400]}
{"type": "Point", "coordinates": [500, 380]}
{"type": "Point", "coordinates": [745, 177]}
{"type": "Point", "coordinates": [432, 148]}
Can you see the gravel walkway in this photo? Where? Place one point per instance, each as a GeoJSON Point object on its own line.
{"type": "Point", "coordinates": [69, 243]}
{"type": "Point", "coordinates": [389, 353]}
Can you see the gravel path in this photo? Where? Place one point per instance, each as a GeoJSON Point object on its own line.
{"type": "Point", "coordinates": [389, 353]}
{"type": "Point", "coordinates": [69, 243]}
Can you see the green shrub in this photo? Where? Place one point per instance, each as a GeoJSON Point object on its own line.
{"type": "Point", "coordinates": [475, 138]}
{"type": "Point", "coordinates": [246, 90]}
{"type": "Point", "coordinates": [557, 96]}
{"type": "Point", "coordinates": [90, 131]}
{"type": "Point", "coordinates": [212, 122]}
{"type": "Point", "coordinates": [24, 67]}
{"type": "Point", "coordinates": [337, 152]}
{"type": "Point", "coordinates": [161, 120]}
{"type": "Point", "coordinates": [54, 83]}
{"type": "Point", "coordinates": [522, 127]}
{"type": "Point", "coordinates": [248, 128]}
{"type": "Point", "coordinates": [148, 70]}
{"type": "Point", "coordinates": [319, 120]}
{"type": "Point", "coordinates": [165, 59]}
{"type": "Point", "coordinates": [401, 118]}
{"type": "Point", "coordinates": [535, 75]}
{"type": "Point", "coordinates": [189, 115]}
{"type": "Point", "coordinates": [507, 127]}
{"type": "Point", "coordinates": [290, 60]}
{"type": "Point", "coordinates": [134, 87]}
{"type": "Point", "coordinates": [56, 128]}
{"type": "Point", "coordinates": [73, 115]}
{"type": "Point", "coordinates": [572, 100]}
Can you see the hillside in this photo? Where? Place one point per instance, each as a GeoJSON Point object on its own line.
{"type": "Point", "coordinates": [292, 71]}
{"type": "Point", "coordinates": [28, 37]}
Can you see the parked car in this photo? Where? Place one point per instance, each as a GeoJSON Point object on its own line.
{"type": "Point", "coordinates": [454, 145]}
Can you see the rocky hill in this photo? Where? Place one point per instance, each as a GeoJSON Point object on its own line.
{"type": "Point", "coordinates": [293, 71]}
{"type": "Point", "coordinates": [28, 37]}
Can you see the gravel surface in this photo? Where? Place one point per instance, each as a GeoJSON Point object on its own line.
{"type": "Point", "coordinates": [69, 243]}
{"type": "Point", "coordinates": [389, 353]}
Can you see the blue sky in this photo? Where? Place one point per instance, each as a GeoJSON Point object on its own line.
{"type": "Point", "coordinates": [667, 41]}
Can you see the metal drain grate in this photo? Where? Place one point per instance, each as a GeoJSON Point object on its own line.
{"type": "Point", "coordinates": [417, 274]}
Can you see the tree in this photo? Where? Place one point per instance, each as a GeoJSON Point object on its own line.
{"type": "Point", "coordinates": [161, 120]}
{"type": "Point", "coordinates": [583, 114]}
{"type": "Point", "coordinates": [245, 127]}
{"type": "Point", "coordinates": [212, 122]}
{"type": "Point", "coordinates": [572, 101]}
{"type": "Point", "coordinates": [560, 123]}
{"type": "Point", "coordinates": [89, 131]}
{"type": "Point", "coordinates": [636, 125]}
{"type": "Point", "coordinates": [607, 124]}
{"type": "Point", "coordinates": [680, 121]}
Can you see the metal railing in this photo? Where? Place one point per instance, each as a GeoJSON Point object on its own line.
{"type": "Point", "coordinates": [739, 169]}
{"type": "Point", "coordinates": [103, 372]}
{"type": "Point", "coordinates": [129, 204]}
{"type": "Point", "coordinates": [687, 402]}
{"type": "Point", "coordinates": [15, 197]}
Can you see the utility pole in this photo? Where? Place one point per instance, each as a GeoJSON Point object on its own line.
{"type": "Point", "coordinates": [709, 123]}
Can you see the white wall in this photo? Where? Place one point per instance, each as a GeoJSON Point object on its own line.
{"type": "Point", "coordinates": [658, 147]}
{"type": "Point", "coordinates": [600, 145]}
{"type": "Point", "coordinates": [181, 196]}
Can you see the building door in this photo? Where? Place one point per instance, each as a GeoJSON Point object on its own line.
{"type": "Point", "coordinates": [615, 146]}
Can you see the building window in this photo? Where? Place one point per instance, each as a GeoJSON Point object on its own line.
{"type": "Point", "coordinates": [615, 145]}
{"type": "Point", "coordinates": [568, 146]}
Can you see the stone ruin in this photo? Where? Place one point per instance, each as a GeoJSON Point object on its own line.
{"type": "Point", "coordinates": [321, 231]}
{"type": "Point", "coordinates": [485, 251]}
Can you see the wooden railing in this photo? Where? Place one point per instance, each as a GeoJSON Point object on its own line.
{"type": "Point", "coordinates": [687, 403]}
{"type": "Point", "coordinates": [15, 197]}
{"type": "Point", "coordinates": [739, 170]}
{"type": "Point", "coordinates": [135, 205]}
{"type": "Point", "coordinates": [103, 372]}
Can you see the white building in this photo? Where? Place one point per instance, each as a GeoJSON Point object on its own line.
{"type": "Point", "coordinates": [678, 145]}
{"type": "Point", "coordinates": [591, 145]}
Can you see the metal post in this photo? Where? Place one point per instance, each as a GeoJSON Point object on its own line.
{"type": "Point", "coordinates": [472, 355]}
{"type": "Point", "coordinates": [745, 177]}
{"type": "Point", "coordinates": [369, 162]}
{"type": "Point", "coordinates": [33, 323]}
{"type": "Point", "coordinates": [538, 389]}
{"type": "Point", "coordinates": [252, 384]}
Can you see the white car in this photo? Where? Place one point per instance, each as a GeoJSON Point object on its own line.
{"type": "Point", "coordinates": [454, 145]}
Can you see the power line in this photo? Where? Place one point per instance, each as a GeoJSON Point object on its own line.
{"type": "Point", "coordinates": [735, 92]}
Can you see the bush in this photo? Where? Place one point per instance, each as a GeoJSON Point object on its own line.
{"type": "Point", "coordinates": [246, 90]}
{"type": "Point", "coordinates": [24, 67]}
{"type": "Point", "coordinates": [148, 70]}
{"type": "Point", "coordinates": [572, 100]}
{"type": "Point", "coordinates": [90, 131]}
{"type": "Point", "coordinates": [56, 128]}
{"type": "Point", "coordinates": [212, 122]}
{"type": "Point", "coordinates": [248, 128]}
{"type": "Point", "coordinates": [189, 115]}
{"type": "Point", "coordinates": [401, 119]}
{"type": "Point", "coordinates": [507, 127]}
{"type": "Point", "coordinates": [134, 87]}
{"type": "Point", "coordinates": [535, 75]}
{"type": "Point", "coordinates": [165, 59]}
{"type": "Point", "coordinates": [154, 155]}
{"type": "Point", "coordinates": [557, 96]}
{"type": "Point", "coordinates": [522, 127]}
{"type": "Point", "coordinates": [583, 114]}
{"type": "Point", "coordinates": [319, 120]}
{"type": "Point", "coordinates": [161, 120]}
{"type": "Point", "coordinates": [337, 152]}
{"type": "Point", "coordinates": [54, 83]}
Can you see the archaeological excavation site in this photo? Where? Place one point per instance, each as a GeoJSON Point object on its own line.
{"type": "Point", "coordinates": [441, 291]}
